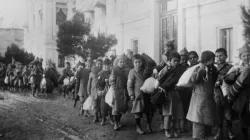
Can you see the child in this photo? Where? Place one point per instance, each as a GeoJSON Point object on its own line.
{"type": "Point", "coordinates": [92, 90]}
{"type": "Point", "coordinates": [222, 107]}
{"type": "Point", "coordinates": [172, 109]}
{"type": "Point", "coordinates": [82, 77]}
{"type": "Point", "coordinates": [135, 81]}
{"type": "Point", "coordinates": [202, 106]}
{"type": "Point", "coordinates": [193, 58]}
{"type": "Point", "coordinates": [118, 81]}
{"type": "Point", "coordinates": [35, 80]}
{"type": "Point", "coordinates": [184, 57]}
{"type": "Point", "coordinates": [103, 86]}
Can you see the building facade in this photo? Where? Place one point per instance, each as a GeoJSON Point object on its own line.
{"type": "Point", "coordinates": [145, 25]}
{"type": "Point", "coordinates": [41, 27]}
{"type": "Point", "coordinates": [9, 36]}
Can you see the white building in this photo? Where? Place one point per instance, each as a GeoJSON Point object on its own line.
{"type": "Point", "coordinates": [42, 27]}
{"type": "Point", "coordinates": [9, 36]}
{"type": "Point", "coordinates": [144, 25]}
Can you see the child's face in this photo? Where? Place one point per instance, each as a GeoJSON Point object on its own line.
{"type": "Point", "coordinates": [99, 64]}
{"type": "Point", "coordinates": [175, 62]}
{"type": "Point", "coordinates": [193, 59]}
{"type": "Point", "coordinates": [210, 62]}
{"type": "Point", "coordinates": [245, 57]}
{"type": "Point", "coordinates": [88, 67]}
{"type": "Point", "coordinates": [121, 63]}
{"type": "Point", "coordinates": [137, 63]}
{"type": "Point", "coordinates": [183, 59]}
{"type": "Point", "coordinates": [106, 67]}
{"type": "Point", "coordinates": [220, 57]}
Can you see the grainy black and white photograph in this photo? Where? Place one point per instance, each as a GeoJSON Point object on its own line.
{"type": "Point", "coordinates": [124, 69]}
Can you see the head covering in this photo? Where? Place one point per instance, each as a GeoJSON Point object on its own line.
{"type": "Point", "coordinates": [243, 49]}
{"type": "Point", "coordinates": [206, 55]}
{"type": "Point", "coordinates": [170, 42]}
{"type": "Point", "coordinates": [184, 52]}
{"type": "Point", "coordinates": [129, 51]}
{"type": "Point", "coordinates": [89, 62]}
{"type": "Point", "coordinates": [122, 57]}
{"type": "Point", "coordinates": [106, 61]}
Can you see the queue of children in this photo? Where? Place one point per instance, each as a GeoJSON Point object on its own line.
{"type": "Point", "coordinates": [204, 105]}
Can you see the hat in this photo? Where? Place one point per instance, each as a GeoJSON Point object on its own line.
{"type": "Point", "coordinates": [170, 42]}
{"type": "Point", "coordinates": [129, 51]}
{"type": "Point", "coordinates": [184, 52]}
{"type": "Point", "coordinates": [206, 55]}
{"type": "Point", "coordinates": [243, 49]}
{"type": "Point", "coordinates": [122, 57]}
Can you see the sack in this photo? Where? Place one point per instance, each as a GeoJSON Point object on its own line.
{"type": "Point", "coordinates": [109, 98]}
{"type": "Point", "coordinates": [158, 97]}
{"type": "Point", "coordinates": [88, 104]}
{"type": "Point", "coordinates": [43, 83]}
{"type": "Point", "coordinates": [6, 80]}
{"type": "Point", "coordinates": [185, 80]}
{"type": "Point", "coordinates": [149, 85]}
{"type": "Point", "coordinates": [225, 88]}
{"type": "Point", "coordinates": [66, 81]}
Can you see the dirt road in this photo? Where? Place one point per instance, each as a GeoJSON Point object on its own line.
{"type": "Point", "coordinates": [23, 117]}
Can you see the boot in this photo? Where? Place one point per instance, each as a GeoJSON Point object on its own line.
{"type": "Point", "coordinates": [103, 121]}
{"type": "Point", "coordinates": [218, 135]}
{"type": "Point", "coordinates": [230, 134]}
{"type": "Point", "coordinates": [149, 128]}
{"type": "Point", "coordinates": [168, 133]}
{"type": "Point", "coordinates": [116, 127]}
{"type": "Point", "coordinates": [96, 118]}
{"type": "Point", "coordinates": [138, 126]}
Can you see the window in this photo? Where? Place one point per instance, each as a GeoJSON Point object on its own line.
{"type": "Point", "coordinates": [61, 61]}
{"type": "Point", "coordinates": [168, 5]}
{"type": "Point", "coordinates": [169, 29]}
{"type": "Point", "coordinates": [225, 41]}
{"type": "Point", "coordinates": [135, 46]}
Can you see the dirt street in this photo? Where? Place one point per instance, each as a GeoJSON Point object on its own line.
{"type": "Point", "coordinates": [23, 117]}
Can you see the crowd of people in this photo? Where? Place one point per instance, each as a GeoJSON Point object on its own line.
{"type": "Point", "coordinates": [200, 107]}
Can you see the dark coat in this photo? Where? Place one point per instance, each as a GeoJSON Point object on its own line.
{"type": "Point", "coordinates": [118, 81]}
{"type": "Point", "coordinates": [135, 82]}
{"type": "Point", "coordinates": [202, 105]}
{"type": "Point", "coordinates": [93, 78]}
{"type": "Point", "coordinates": [172, 105]}
{"type": "Point", "coordinates": [82, 77]}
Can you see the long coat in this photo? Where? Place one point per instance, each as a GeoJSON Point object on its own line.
{"type": "Point", "coordinates": [202, 105]}
{"type": "Point", "coordinates": [118, 81]}
{"type": "Point", "coordinates": [93, 78]}
{"type": "Point", "coordinates": [135, 82]}
{"type": "Point", "coordinates": [82, 76]}
{"type": "Point", "coordinates": [172, 105]}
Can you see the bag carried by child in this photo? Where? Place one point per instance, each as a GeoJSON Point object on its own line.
{"type": "Point", "coordinates": [88, 104]}
{"type": "Point", "coordinates": [158, 97]}
{"type": "Point", "coordinates": [149, 85]}
{"type": "Point", "coordinates": [185, 80]}
{"type": "Point", "coordinates": [109, 98]}
{"type": "Point", "coordinates": [6, 80]}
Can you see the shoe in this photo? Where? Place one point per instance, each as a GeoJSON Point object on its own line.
{"type": "Point", "coordinates": [120, 125]}
{"type": "Point", "coordinates": [111, 122]}
{"type": "Point", "coordinates": [167, 134]}
{"type": "Point", "coordinates": [139, 131]}
{"type": "Point", "coordinates": [149, 129]}
{"type": "Point", "coordinates": [176, 134]}
{"type": "Point", "coordinates": [103, 122]}
{"type": "Point", "coordinates": [218, 135]}
{"type": "Point", "coordinates": [231, 135]}
{"type": "Point", "coordinates": [116, 127]}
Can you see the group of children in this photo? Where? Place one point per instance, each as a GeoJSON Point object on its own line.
{"type": "Point", "coordinates": [203, 105]}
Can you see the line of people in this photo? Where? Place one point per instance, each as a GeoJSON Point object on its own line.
{"type": "Point", "coordinates": [203, 105]}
